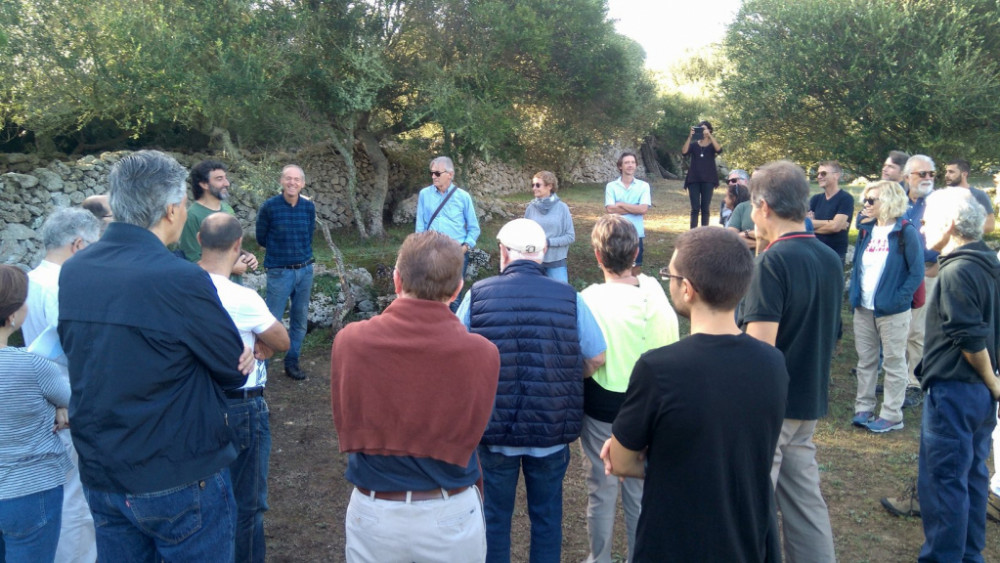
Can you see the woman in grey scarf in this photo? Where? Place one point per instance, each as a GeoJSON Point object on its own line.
{"type": "Point", "coordinates": [553, 215]}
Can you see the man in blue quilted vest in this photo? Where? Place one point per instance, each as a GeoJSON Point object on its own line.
{"type": "Point", "coordinates": [549, 342]}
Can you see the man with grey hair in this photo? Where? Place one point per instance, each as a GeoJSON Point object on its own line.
{"type": "Point", "coordinates": [958, 371]}
{"type": "Point", "coordinates": [918, 175]}
{"type": "Point", "coordinates": [151, 353]}
{"type": "Point", "coordinates": [448, 209]}
{"type": "Point", "coordinates": [285, 225]}
{"type": "Point", "coordinates": [65, 232]}
{"type": "Point", "coordinates": [794, 304]}
{"type": "Point", "coordinates": [549, 342]}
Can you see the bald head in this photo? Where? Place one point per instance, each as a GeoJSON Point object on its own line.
{"type": "Point", "coordinates": [219, 232]}
{"type": "Point", "coordinates": [99, 206]}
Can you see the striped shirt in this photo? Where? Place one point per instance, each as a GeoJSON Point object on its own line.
{"type": "Point", "coordinates": [286, 231]}
{"type": "Point", "coordinates": [32, 458]}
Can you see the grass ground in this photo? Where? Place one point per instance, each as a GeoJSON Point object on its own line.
{"type": "Point", "coordinates": [308, 494]}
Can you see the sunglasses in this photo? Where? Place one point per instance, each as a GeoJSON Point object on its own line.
{"type": "Point", "coordinates": [870, 200]}
{"type": "Point", "coordinates": [821, 174]}
{"type": "Point", "coordinates": [437, 174]}
{"type": "Point", "coordinates": [536, 184]}
{"type": "Point", "coordinates": [924, 174]}
{"type": "Point", "coordinates": [733, 180]}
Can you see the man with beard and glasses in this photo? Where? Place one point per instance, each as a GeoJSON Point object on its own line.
{"type": "Point", "coordinates": [919, 176]}
{"type": "Point", "coordinates": [210, 189]}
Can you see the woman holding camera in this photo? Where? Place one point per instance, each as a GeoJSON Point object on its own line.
{"type": "Point", "coordinates": [33, 461]}
{"type": "Point", "coordinates": [702, 176]}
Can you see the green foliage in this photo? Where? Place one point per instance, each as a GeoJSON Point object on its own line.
{"type": "Point", "coordinates": [852, 79]}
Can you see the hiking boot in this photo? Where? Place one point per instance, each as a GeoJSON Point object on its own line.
{"type": "Point", "coordinates": [914, 397]}
{"type": "Point", "coordinates": [881, 425]}
{"type": "Point", "coordinates": [862, 419]}
{"type": "Point", "coordinates": [993, 507]}
{"type": "Point", "coordinates": [906, 504]}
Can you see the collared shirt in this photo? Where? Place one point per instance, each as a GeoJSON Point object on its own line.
{"type": "Point", "coordinates": [43, 300]}
{"type": "Point", "coordinates": [457, 218]}
{"type": "Point", "coordinates": [637, 193]}
{"type": "Point", "coordinates": [915, 215]}
{"type": "Point", "coordinates": [150, 351]}
{"type": "Point", "coordinates": [286, 231]}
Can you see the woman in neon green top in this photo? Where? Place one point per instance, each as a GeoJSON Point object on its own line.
{"type": "Point", "coordinates": [635, 316]}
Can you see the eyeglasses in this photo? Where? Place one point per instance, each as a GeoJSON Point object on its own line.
{"type": "Point", "coordinates": [821, 174]}
{"type": "Point", "coordinates": [733, 181]}
{"type": "Point", "coordinates": [666, 275]}
{"type": "Point", "coordinates": [437, 174]}
{"type": "Point", "coordinates": [870, 200]}
{"type": "Point", "coordinates": [924, 174]}
{"type": "Point", "coordinates": [536, 184]}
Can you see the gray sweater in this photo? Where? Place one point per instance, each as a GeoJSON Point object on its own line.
{"type": "Point", "coordinates": [553, 215]}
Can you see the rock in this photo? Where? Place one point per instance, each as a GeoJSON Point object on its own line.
{"type": "Point", "coordinates": [61, 200]}
{"type": "Point", "coordinates": [52, 181]}
{"type": "Point", "coordinates": [16, 157]}
{"type": "Point", "coordinates": [23, 180]}
{"type": "Point", "coordinates": [366, 306]}
{"type": "Point", "coordinates": [406, 211]}
{"type": "Point", "coordinates": [14, 231]}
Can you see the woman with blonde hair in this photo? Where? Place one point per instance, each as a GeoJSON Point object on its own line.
{"type": "Point", "coordinates": [34, 397]}
{"type": "Point", "coordinates": [553, 215]}
{"type": "Point", "coordinates": [888, 269]}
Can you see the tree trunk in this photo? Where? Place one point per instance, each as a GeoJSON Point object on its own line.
{"type": "Point", "coordinates": [348, 305]}
{"type": "Point", "coordinates": [651, 163]}
{"type": "Point", "coordinates": [345, 146]}
{"type": "Point", "coordinates": [220, 139]}
{"type": "Point", "coordinates": [381, 166]}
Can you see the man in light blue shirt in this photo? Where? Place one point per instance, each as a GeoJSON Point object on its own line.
{"type": "Point", "coordinates": [448, 209]}
{"type": "Point", "coordinates": [629, 196]}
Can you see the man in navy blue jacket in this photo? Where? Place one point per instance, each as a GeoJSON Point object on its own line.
{"type": "Point", "coordinates": [549, 342]}
{"type": "Point", "coordinates": [151, 352]}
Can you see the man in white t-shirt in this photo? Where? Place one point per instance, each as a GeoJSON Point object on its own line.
{"type": "Point", "coordinates": [65, 232]}
{"type": "Point", "coordinates": [221, 238]}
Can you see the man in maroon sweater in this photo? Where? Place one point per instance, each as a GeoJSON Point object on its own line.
{"type": "Point", "coordinates": [412, 392]}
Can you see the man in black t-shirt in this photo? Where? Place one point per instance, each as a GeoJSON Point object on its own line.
{"type": "Point", "coordinates": [701, 418]}
{"type": "Point", "coordinates": [831, 210]}
{"type": "Point", "coordinates": [794, 304]}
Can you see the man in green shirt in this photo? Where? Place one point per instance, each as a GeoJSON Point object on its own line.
{"type": "Point", "coordinates": [210, 188]}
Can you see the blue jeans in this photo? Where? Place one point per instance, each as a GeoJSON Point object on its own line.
{"type": "Point", "coordinates": [192, 522]}
{"type": "Point", "coordinates": [558, 273]}
{"type": "Point", "coordinates": [249, 420]}
{"type": "Point", "coordinates": [953, 480]}
{"type": "Point", "coordinates": [282, 284]}
{"type": "Point", "coordinates": [543, 479]}
{"type": "Point", "coordinates": [29, 526]}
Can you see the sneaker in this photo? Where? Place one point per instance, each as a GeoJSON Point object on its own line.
{"type": "Point", "coordinates": [906, 504]}
{"type": "Point", "coordinates": [880, 425]}
{"type": "Point", "coordinates": [914, 397]}
{"type": "Point", "coordinates": [993, 507]}
{"type": "Point", "coordinates": [862, 419]}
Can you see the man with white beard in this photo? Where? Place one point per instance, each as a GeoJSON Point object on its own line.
{"type": "Point", "coordinates": [919, 177]}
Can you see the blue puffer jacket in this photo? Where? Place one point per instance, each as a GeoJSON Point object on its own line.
{"type": "Point", "coordinates": [532, 321]}
{"type": "Point", "coordinates": [903, 272]}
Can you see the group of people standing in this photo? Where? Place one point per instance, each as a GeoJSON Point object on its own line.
{"type": "Point", "coordinates": [156, 361]}
{"type": "Point", "coordinates": [164, 371]}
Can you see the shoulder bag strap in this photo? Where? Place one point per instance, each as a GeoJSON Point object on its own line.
{"type": "Point", "coordinates": [440, 207]}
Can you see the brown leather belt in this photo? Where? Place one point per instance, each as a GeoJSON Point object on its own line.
{"type": "Point", "coordinates": [414, 495]}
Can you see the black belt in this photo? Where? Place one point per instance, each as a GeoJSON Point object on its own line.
{"type": "Point", "coordinates": [247, 393]}
{"type": "Point", "coordinates": [308, 262]}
